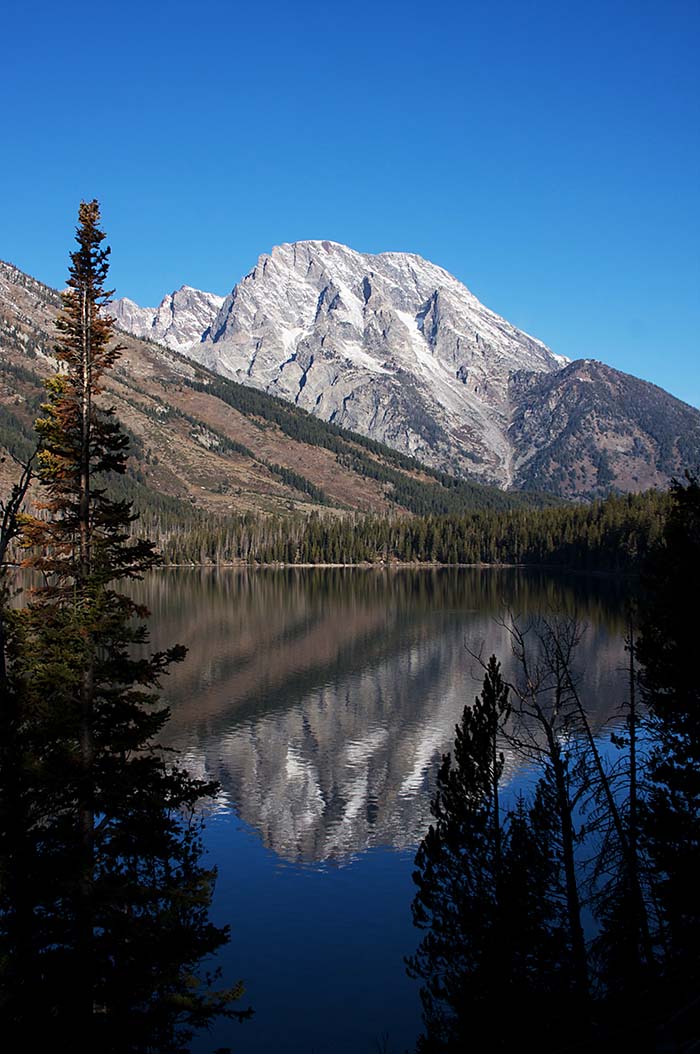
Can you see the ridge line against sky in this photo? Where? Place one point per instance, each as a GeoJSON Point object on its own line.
{"type": "Point", "coordinates": [547, 155]}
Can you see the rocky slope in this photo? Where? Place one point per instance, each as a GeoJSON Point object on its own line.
{"type": "Point", "coordinates": [395, 348]}
{"type": "Point", "coordinates": [588, 428]}
{"type": "Point", "coordinates": [388, 345]}
{"type": "Point", "coordinates": [179, 321]}
{"type": "Point", "coordinates": [203, 441]}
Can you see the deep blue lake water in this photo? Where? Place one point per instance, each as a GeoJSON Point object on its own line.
{"type": "Point", "coordinates": [322, 701]}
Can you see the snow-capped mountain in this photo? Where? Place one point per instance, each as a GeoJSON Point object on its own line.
{"type": "Point", "coordinates": [178, 322]}
{"type": "Point", "coordinates": [396, 348]}
{"type": "Point", "coordinates": [389, 345]}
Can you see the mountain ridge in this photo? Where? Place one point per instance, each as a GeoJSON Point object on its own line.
{"type": "Point", "coordinates": [206, 442]}
{"type": "Point", "coordinates": [394, 347]}
{"type": "Point", "coordinates": [387, 344]}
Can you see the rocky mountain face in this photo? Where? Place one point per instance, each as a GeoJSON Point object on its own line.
{"type": "Point", "coordinates": [178, 322]}
{"type": "Point", "coordinates": [205, 441]}
{"type": "Point", "coordinates": [587, 428]}
{"type": "Point", "coordinates": [388, 345]}
{"type": "Point", "coordinates": [395, 348]}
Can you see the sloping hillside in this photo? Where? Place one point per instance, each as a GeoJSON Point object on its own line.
{"type": "Point", "coordinates": [207, 442]}
{"type": "Point", "coordinates": [395, 348]}
{"type": "Point", "coordinates": [588, 428]}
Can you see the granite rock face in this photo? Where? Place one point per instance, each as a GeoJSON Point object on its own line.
{"type": "Point", "coordinates": [178, 322]}
{"type": "Point", "coordinates": [397, 349]}
{"type": "Point", "coordinates": [388, 345]}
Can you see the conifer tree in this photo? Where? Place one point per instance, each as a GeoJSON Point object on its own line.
{"type": "Point", "coordinates": [459, 873]}
{"type": "Point", "coordinates": [670, 817]}
{"type": "Point", "coordinates": [16, 921]}
{"type": "Point", "coordinates": [124, 905]}
{"type": "Point", "coordinates": [534, 979]}
{"type": "Point", "coordinates": [490, 896]}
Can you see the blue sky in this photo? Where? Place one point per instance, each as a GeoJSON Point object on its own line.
{"type": "Point", "coordinates": [548, 154]}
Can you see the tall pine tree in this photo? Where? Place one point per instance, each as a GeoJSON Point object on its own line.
{"type": "Point", "coordinates": [670, 817]}
{"type": "Point", "coordinates": [459, 872]}
{"type": "Point", "coordinates": [121, 893]}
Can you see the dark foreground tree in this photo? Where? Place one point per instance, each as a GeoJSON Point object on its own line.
{"type": "Point", "coordinates": [486, 894]}
{"type": "Point", "coordinates": [670, 817]}
{"type": "Point", "coordinates": [119, 897]}
{"type": "Point", "coordinates": [503, 898]}
{"type": "Point", "coordinates": [614, 841]}
{"type": "Point", "coordinates": [458, 871]}
{"type": "Point", "coordinates": [15, 837]}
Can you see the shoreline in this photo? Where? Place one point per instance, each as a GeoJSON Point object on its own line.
{"type": "Point", "coordinates": [394, 565]}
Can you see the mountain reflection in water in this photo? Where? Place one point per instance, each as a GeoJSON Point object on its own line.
{"type": "Point", "coordinates": [322, 700]}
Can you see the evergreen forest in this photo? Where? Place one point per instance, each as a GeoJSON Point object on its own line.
{"type": "Point", "coordinates": [613, 535]}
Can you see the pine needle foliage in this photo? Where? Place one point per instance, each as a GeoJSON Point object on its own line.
{"type": "Point", "coordinates": [118, 898]}
{"type": "Point", "coordinates": [83, 538]}
{"type": "Point", "coordinates": [458, 873]}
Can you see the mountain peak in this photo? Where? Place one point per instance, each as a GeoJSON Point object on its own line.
{"type": "Point", "coordinates": [396, 348]}
{"type": "Point", "coordinates": [387, 344]}
{"type": "Point", "coordinates": [178, 322]}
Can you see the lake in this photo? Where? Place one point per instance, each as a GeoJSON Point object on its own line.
{"type": "Point", "coordinates": [322, 701]}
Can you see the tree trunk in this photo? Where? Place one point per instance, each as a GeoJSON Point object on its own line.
{"type": "Point", "coordinates": [86, 809]}
{"type": "Point", "coordinates": [573, 901]}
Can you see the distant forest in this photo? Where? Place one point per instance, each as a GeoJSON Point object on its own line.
{"type": "Point", "coordinates": [611, 535]}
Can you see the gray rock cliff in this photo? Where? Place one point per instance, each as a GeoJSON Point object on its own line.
{"type": "Point", "coordinates": [178, 322]}
{"type": "Point", "coordinates": [396, 348]}
{"type": "Point", "coordinates": [388, 345]}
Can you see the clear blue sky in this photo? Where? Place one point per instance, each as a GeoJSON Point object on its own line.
{"type": "Point", "coordinates": [547, 153]}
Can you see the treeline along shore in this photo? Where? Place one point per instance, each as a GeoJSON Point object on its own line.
{"type": "Point", "coordinates": [613, 535]}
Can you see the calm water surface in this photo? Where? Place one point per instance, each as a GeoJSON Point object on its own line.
{"type": "Point", "coordinates": [322, 701]}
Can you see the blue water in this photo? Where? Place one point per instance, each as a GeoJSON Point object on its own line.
{"type": "Point", "coordinates": [322, 703]}
{"type": "Point", "coordinates": [320, 949]}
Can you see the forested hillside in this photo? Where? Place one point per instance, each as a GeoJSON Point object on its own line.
{"type": "Point", "coordinates": [210, 443]}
